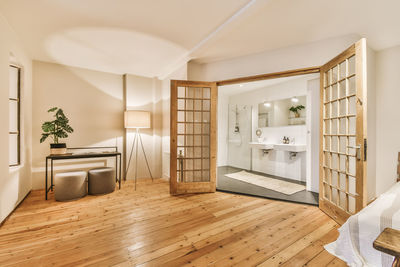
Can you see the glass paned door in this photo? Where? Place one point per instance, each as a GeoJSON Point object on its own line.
{"type": "Point", "coordinates": [193, 137]}
{"type": "Point", "coordinates": [342, 159]}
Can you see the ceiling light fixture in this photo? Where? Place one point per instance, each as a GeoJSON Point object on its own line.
{"type": "Point", "coordinates": [295, 99]}
{"type": "Point", "coordinates": [267, 104]}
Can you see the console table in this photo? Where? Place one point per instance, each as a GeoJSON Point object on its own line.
{"type": "Point", "coordinates": [87, 155]}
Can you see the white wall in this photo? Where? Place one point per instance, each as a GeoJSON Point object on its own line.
{"type": "Point", "coordinates": [92, 100]}
{"type": "Point", "coordinates": [144, 93]}
{"type": "Point", "coordinates": [387, 117]}
{"type": "Point", "coordinates": [15, 183]}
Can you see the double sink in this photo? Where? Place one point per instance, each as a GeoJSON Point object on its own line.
{"type": "Point", "coordinates": [281, 147]}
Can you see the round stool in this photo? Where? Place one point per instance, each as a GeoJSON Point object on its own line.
{"type": "Point", "coordinates": [70, 185]}
{"type": "Point", "coordinates": [101, 181]}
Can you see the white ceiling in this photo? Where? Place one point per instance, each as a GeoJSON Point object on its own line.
{"type": "Point", "coordinates": [152, 37]}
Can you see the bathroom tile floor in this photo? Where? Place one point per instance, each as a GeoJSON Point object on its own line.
{"type": "Point", "coordinates": [226, 184]}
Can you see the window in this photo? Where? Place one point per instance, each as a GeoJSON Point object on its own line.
{"type": "Point", "coordinates": [14, 115]}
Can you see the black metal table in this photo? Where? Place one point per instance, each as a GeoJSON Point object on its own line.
{"type": "Point", "coordinates": [67, 156]}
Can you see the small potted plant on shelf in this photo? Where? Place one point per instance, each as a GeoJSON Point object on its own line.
{"type": "Point", "coordinates": [56, 129]}
{"type": "Point", "coordinates": [296, 109]}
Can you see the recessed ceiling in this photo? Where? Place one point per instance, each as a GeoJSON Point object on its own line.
{"type": "Point", "coordinates": [152, 37]}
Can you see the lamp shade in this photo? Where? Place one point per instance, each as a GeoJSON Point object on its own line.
{"type": "Point", "coordinates": [137, 119]}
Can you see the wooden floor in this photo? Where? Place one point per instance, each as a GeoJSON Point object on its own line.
{"type": "Point", "coordinates": [151, 228]}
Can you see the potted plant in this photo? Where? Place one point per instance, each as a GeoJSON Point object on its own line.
{"type": "Point", "coordinates": [56, 129]}
{"type": "Point", "coordinates": [296, 109]}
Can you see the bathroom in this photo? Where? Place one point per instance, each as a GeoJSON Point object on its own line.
{"type": "Point", "coordinates": [268, 138]}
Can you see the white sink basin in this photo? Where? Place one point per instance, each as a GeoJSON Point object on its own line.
{"type": "Point", "coordinates": [261, 145]}
{"type": "Point", "coordinates": [290, 147]}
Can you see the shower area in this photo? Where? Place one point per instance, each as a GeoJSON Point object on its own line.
{"type": "Point", "coordinates": [239, 135]}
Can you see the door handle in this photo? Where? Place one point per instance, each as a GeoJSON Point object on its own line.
{"type": "Point", "coordinates": [358, 151]}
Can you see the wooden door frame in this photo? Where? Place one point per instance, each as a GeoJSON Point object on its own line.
{"type": "Point", "coordinates": [173, 152]}
{"type": "Point", "coordinates": [267, 76]}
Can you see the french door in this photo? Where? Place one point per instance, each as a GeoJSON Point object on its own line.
{"type": "Point", "coordinates": [193, 137]}
{"type": "Point", "coordinates": [343, 133]}
{"type": "Point", "coordinates": [342, 190]}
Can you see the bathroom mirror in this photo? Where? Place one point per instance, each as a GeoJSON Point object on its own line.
{"type": "Point", "coordinates": [282, 112]}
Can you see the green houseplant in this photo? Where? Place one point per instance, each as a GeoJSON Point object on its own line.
{"type": "Point", "coordinates": [296, 109]}
{"type": "Point", "coordinates": [56, 130]}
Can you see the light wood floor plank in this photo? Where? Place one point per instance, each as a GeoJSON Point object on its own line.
{"type": "Point", "coordinates": [148, 227]}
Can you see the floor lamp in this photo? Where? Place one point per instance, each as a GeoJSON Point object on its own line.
{"type": "Point", "coordinates": [137, 119]}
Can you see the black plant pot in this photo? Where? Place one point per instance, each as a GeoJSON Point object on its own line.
{"type": "Point", "coordinates": [57, 149]}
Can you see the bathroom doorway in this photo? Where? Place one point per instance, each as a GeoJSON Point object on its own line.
{"type": "Point", "coordinates": [267, 136]}
{"type": "Point", "coordinates": [341, 142]}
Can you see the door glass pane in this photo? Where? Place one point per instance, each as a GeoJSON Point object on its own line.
{"type": "Point", "coordinates": [334, 196]}
{"type": "Point", "coordinates": [352, 65]}
{"type": "Point", "coordinates": [181, 104]}
{"type": "Point", "coordinates": [198, 93]}
{"type": "Point", "coordinates": [181, 116]}
{"type": "Point", "coordinates": [181, 92]}
{"type": "Point", "coordinates": [13, 119]}
{"type": "Point", "coordinates": [342, 126]}
{"type": "Point", "coordinates": [197, 152]}
{"type": "Point", "coordinates": [334, 92]}
{"type": "Point", "coordinates": [352, 105]}
{"type": "Point", "coordinates": [197, 128]}
{"type": "Point", "coordinates": [13, 83]}
{"type": "Point", "coordinates": [342, 71]}
{"type": "Point", "coordinates": [181, 128]}
{"type": "Point", "coordinates": [327, 94]}
{"type": "Point", "coordinates": [206, 117]}
{"type": "Point", "coordinates": [189, 152]}
{"type": "Point", "coordinates": [197, 104]}
{"type": "Point", "coordinates": [352, 85]}
{"type": "Point", "coordinates": [207, 93]}
{"type": "Point", "coordinates": [335, 74]}
{"type": "Point", "coordinates": [352, 204]}
{"type": "Point", "coordinates": [342, 107]}
{"type": "Point", "coordinates": [189, 104]}
{"type": "Point", "coordinates": [334, 109]}
{"type": "Point", "coordinates": [352, 125]}
{"type": "Point", "coordinates": [190, 92]}
{"type": "Point", "coordinates": [189, 128]}
{"type": "Point", "coordinates": [206, 105]}
{"type": "Point", "coordinates": [342, 89]}
{"type": "Point", "coordinates": [334, 146]}
{"type": "Point", "coordinates": [13, 149]}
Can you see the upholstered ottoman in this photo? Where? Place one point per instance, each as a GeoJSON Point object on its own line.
{"type": "Point", "coordinates": [70, 185]}
{"type": "Point", "coordinates": [101, 181]}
